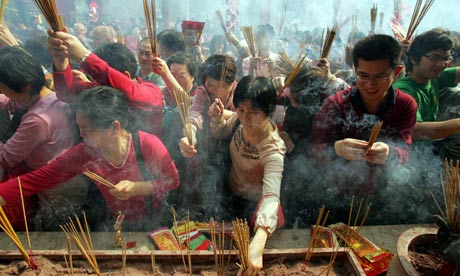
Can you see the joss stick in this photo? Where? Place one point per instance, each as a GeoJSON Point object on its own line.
{"type": "Point", "coordinates": [349, 216]}
{"type": "Point", "coordinates": [152, 260]}
{"type": "Point", "coordinates": [248, 34]}
{"type": "Point", "coordinates": [283, 14]}
{"type": "Point", "coordinates": [374, 134]}
{"type": "Point", "coordinates": [187, 239]}
{"type": "Point", "coordinates": [183, 103]}
{"type": "Point", "coordinates": [359, 211]}
{"type": "Point", "coordinates": [24, 213]}
{"type": "Point", "coordinates": [284, 65]}
{"type": "Point", "coordinates": [2, 10]}
{"type": "Point", "coordinates": [417, 16]}
{"type": "Point", "coordinates": [222, 249]}
{"type": "Point", "coordinates": [177, 236]}
{"type": "Point", "coordinates": [374, 10]}
{"type": "Point", "coordinates": [330, 36]}
{"type": "Point", "coordinates": [214, 243]}
{"type": "Point", "coordinates": [49, 11]}
{"type": "Point", "coordinates": [294, 72]}
{"type": "Point", "coordinates": [69, 249]}
{"type": "Point", "coordinates": [123, 258]}
{"type": "Point", "coordinates": [313, 238]}
{"type": "Point", "coordinates": [221, 20]}
{"type": "Point", "coordinates": [82, 240]}
{"type": "Point", "coordinates": [99, 179]}
{"type": "Point", "coordinates": [5, 225]}
{"type": "Point", "coordinates": [241, 237]}
{"type": "Point", "coordinates": [150, 19]}
{"type": "Point", "coordinates": [365, 216]}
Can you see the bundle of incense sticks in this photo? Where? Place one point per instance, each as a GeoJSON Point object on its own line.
{"type": "Point", "coordinates": [100, 179]}
{"type": "Point", "coordinates": [81, 237]}
{"type": "Point", "coordinates": [294, 72]}
{"type": "Point", "coordinates": [283, 15]}
{"type": "Point", "coordinates": [221, 21]}
{"type": "Point", "coordinates": [6, 226]}
{"type": "Point", "coordinates": [284, 64]}
{"type": "Point", "coordinates": [451, 194]}
{"type": "Point", "coordinates": [313, 236]}
{"type": "Point", "coordinates": [241, 237]}
{"type": "Point", "coordinates": [49, 11]}
{"type": "Point", "coordinates": [151, 20]}
{"type": "Point", "coordinates": [330, 36]}
{"type": "Point", "coordinates": [417, 16]}
{"type": "Point", "coordinates": [2, 10]}
{"type": "Point", "coordinates": [248, 35]}
{"type": "Point", "coordinates": [183, 103]}
{"type": "Point", "coordinates": [374, 11]}
{"type": "Point", "coordinates": [218, 246]}
{"type": "Point", "coordinates": [374, 134]}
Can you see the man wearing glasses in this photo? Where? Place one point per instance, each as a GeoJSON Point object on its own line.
{"type": "Point", "coordinates": [342, 127]}
{"type": "Point", "coordinates": [428, 57]}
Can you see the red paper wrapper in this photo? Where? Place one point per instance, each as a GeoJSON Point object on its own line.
{"type": "Point", "coordinates": [164, 239]}
{"type": "Point", "coordinates": [373, 259]}
{"type": "Point", "coordinates": [192, 30]}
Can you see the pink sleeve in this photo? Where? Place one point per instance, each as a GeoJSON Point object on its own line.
{"type": "Point", "coordinates": [199, 107]}
{"type": "Point", "coordinates": [245, 66]}
{"type": "Point", "coordinates": [159, 163]}
{"type": "Point", "coordinates": [60, 170]}
{"type": "Point", "coordinates": [32, 132]}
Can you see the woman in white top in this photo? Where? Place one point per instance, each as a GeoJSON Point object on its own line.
{"type": "Point", "coordinates": [257, 154]}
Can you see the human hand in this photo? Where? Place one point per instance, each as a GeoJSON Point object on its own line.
{"type": "Point", "coordinates": [67, 42]}
{"type": "Point", "coordinates": [231, 37]}
{"type": "Point", "coordinates": [159, 66]}
{"type": "Point", "coordinates": [124, 190]}
{"type": "Point", "coordinates": [324, 64]}
{"type": "Point", "coordinates": [216, 111]}
{"type": "Point", "coordinates": [80, 76]}
{"type": "Point", "coordinates": [255, 254]}
{"type": "Point", "coordinates": [351, 149]}
{"type": "Point", "coordinates": [378, 153]}
{"type": "Point", "coordinates": [187, 148]}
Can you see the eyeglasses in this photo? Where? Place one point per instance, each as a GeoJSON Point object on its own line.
{"type": "Point", "coordinates": [373, 79]}
{"type": "Point", "coordinates": [438, 58]}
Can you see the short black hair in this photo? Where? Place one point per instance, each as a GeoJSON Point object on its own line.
{"type": "Point", "coordinates": [216, 65]}
{"type": "Point", "coordinates": [119, 57]}
{"type": "Point", "coordinates": [260, 91]}
{"type": "Point", "coordinates": [37, 47]}
{"type": "Point", "coordinates": [309, 86]}
{"type": "Point", "coordinates": [377, 47]}
{"type": "Point", "coordinates": [102, 105]}
{"type": "Point", "coordinates": [187, 60]}
{"type": "Point", "coordinates": [434, 39]}
{"type": "Point", "coordinates": [18, 69]}
{"type": "Point", "coordinates": [171, 40]}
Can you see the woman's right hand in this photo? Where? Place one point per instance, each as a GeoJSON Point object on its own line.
{"type": "Point", "coordinates": [186, 149]}
{"type": "Point", "coordinates": [216, 110]}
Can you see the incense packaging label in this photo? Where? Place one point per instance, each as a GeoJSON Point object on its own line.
{"type": "Point", "coordinates": [188, 233]}
{"type": "Point", "coordinates": [164, 239]}
{"type": "Point", "coordinates": [325, 238]}
{"type": "Point", "coordinates": [373, 259]}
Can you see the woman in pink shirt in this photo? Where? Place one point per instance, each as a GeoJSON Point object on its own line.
{"type": "Point", "coordinates": [136, 162]}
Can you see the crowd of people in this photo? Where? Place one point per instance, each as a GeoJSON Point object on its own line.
{"type": "Point", "coordinates": [253, 145]}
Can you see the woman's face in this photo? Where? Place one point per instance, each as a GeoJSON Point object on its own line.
{"type": "Point", "coordinates": [217, 88]}
{"type": "Point", "coordinates": [182, 75]}
{"type": "Point", "coordinates": [251, 118]}
{"type": "Point", "coordinates": [93, 137]}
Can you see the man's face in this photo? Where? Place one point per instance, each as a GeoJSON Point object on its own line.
{"type": "Point", "coordinates": [145, 56]}
{"type": "Point", "coordinates": [432, 64]}
{"type": "Point", "coordinates": [373, 79]}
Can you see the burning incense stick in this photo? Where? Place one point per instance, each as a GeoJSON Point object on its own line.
{"type": "Point", "coordinates": [221, 21]}
{"type": "Point", "coordinates": [330, 36]}
{"type": "Point", "coordinates": [49, 11]}
{"type": "Point", "coordinates": [241, 236]}
{"type": "Point", "coordinates": [313, 238]}
{"type": "Point", "coordinates": [82, 240]}
{"type": "Point", "coordinates": [2, 10]}
{"type": "Point", "coordinates": [374, 10]}
{"type": "Point", "coordinates": [177, 236]}
{"type": "Point", "coordinates": [151, 20]}
{"type": "Point", "coordinates": [294, 72]}
{"type": "Point", "coordinates": [5, 225]}
{"type": "Point", "coordinates": [99, 179]}
{"type": "Point", "coordinates": [374, 134]}
{"type": "Point", "coordinates": [417, 16]}
{"type": "Point", "coordinates": [365, 217]}
{"type": "Point", "coordinates": [218, 247]}
{"type": "Point", "coordinates": [69, 250]}
{"type": "Point", "coordinates": [283, 14]}
{"type": "Point", "coordinates": [248, 35]}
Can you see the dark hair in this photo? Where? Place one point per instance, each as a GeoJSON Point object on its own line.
{"type": "Point", "coordinates": [37, 47]}
{"type": "Point", "coordinates": [260, 91]}
{"type": "Point", "coordinates": [309, 86]}
{"type": "Point", "coordinates": [187, 60]}
{"type": "Point", "coordinates": [428, 41]}
{"type": "Point", "coordinates": [213, 42]}
{"type": "Point", "coordinates": [102, 105]}
{"type": "Point", "coordinates": [376, 47]}
{"type": "Point", "coordinates": [216, 65]}
{"type": "Point", "coordinates": [119, 57]}
{"type": "Point", "coordinates": [171, 40]}
{"type": "Point", "coordinates": [18, 69]}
